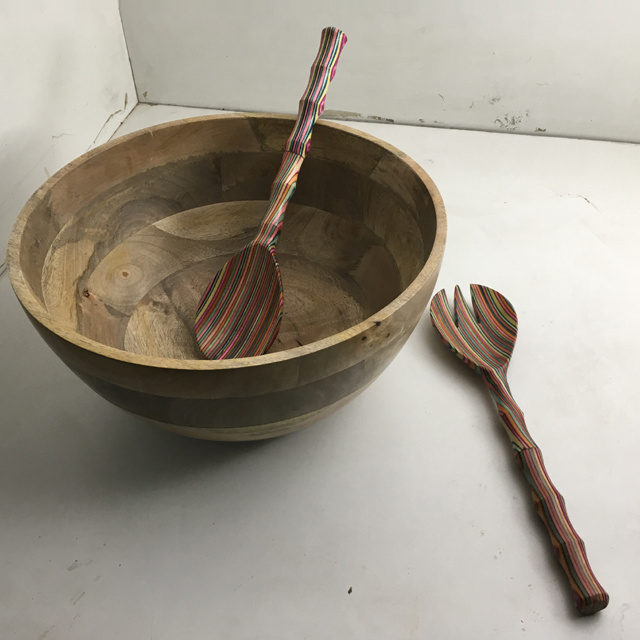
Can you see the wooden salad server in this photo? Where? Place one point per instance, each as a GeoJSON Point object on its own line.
{"type": "Point", "coordinates": [240, 313]}
{"type": "Point", "coordinates": [484, 339]}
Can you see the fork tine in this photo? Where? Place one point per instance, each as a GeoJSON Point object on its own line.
{"type": "Point", "coordinates": [445, 323]}
{"type": "Point", "coordinates": [463, 313]}
{"type": "Point", "coordinates": [487, 356]}
{"type": "Point", "coordinates": [442, 318]}
{"type": "Point", "coordinates": [497, 318]}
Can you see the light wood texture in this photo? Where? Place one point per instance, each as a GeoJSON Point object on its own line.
{"type": "Point", "coordinates": [110, 256]}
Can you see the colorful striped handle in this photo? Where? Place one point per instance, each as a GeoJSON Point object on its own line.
{"type": "Point", "coordinates": [312, 102]}
{"type": "Point", "coordinates": [311, 106]}
{"type": "Point", "coordinates": [588, 594]}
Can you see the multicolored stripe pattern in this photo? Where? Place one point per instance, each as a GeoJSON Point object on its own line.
{"type": "Point", "coordinates": [484, 338]}
{"type": "Point", "coordinates": [240, 312]}
{"type": "Point", "coordinates": [311, 105]}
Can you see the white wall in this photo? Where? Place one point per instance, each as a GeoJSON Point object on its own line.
{"type": "Point", "coordinates": [66, 85]}
{"type": "Point", "coordinates": [567, 67]}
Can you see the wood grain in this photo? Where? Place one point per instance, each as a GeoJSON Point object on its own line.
{"type": "Point", "coordinates": [109, 258]}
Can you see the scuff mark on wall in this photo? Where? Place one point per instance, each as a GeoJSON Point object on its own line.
{"type": "Point", "coordinates": [578, 195]}
{"type": "Point", "coordinates": [354, 115]}
{"type": "Point", "coordinates": [336, 113]}
{"type": "Point", "coordinates": [44, 634]}
{"type": "Point", "coordinates": [102, 128]}
{"type": "Point", "coordinates": [511, 122]}
{"type": "Point", "coordinates": [591, 203]}
{"type": "Point", "coordinates": [108, 120]}
{"type": "Point", "coordinates": [380, 119]}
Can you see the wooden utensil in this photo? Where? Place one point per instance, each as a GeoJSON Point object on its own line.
{"type": "Point", "coordinates": [241, 310]}
{"type": "Point", "coordinates": [485, 340]}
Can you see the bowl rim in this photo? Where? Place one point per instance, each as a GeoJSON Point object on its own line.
{"type": "Point", "coordinates": [34, 307]}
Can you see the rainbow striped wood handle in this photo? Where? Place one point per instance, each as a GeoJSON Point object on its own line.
{"type": "Point", "coordinates": [311, 106]}
{"type": "Point", "coordinates": [312, 102]}
{"type": "Point", "coordinates": [588, 594]}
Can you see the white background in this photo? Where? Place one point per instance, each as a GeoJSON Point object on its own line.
{"type": "Point", "coordinates": [64, 75]}
{"type": "Point", "coordinates": [409, 495]}
{"type": "Point", "coordinates": [566, 67]}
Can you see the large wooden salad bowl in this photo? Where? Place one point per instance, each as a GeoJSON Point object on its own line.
{"type": "Point", "coordinates": [110, 256]}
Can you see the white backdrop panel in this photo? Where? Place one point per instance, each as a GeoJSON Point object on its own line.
{"type": "Point", "coordinates": [566, 68]}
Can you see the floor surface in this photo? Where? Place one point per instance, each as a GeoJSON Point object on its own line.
{"type": "Point", "coordinates": [403, 515]}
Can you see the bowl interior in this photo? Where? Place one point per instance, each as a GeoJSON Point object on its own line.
{"type": "Point", "coordinates": [123, 260]}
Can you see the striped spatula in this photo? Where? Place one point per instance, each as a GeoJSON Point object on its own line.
{"type": "Point", "coordinates": [240, 312]}
{"type": "Point", "coordinates": [484, 339]}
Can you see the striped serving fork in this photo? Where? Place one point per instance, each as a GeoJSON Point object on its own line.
{"type": "Point", "coordinates": [484, 338]}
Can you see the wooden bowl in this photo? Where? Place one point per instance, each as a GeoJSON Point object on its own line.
{"type": "Point", "coordinates": [110, 256]}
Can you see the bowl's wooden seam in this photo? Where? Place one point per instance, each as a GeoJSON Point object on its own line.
{"type": "Point", "coordinates": [255, 432]}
